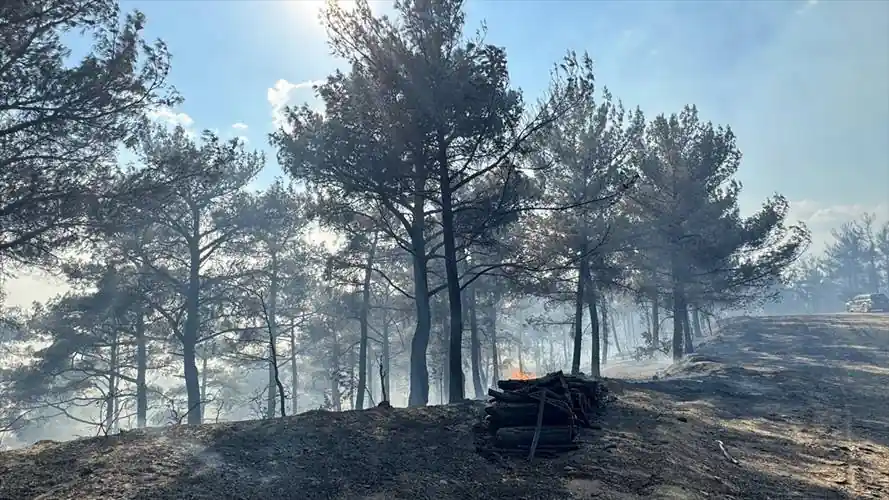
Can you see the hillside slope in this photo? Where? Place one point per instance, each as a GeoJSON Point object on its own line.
{"type": "Point", "coordinates": [800, 405]}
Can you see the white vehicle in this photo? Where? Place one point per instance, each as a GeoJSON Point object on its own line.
{"type": "Point", "coordinates": [868, 302]}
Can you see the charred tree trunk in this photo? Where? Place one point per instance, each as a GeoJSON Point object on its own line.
{"type": "Point", "coordinates": [655, 319]}
{"type": "Point", "coordinates": [336, 397]}
{"type": "Point", "coordinates": [579, 299]}
{"type": "Point", "coordinates": [384, 380]}
{"type": "Point", "coordinates": [495, 353]}
{"type": "Point", "coordinates": [609, 324]}
{"type": "Point", "coordinates": [697, 322]}
{"type": "Point", "coordinates": [141, 370]}
{"type": "Point", "coordinates": [204, 357]}
{"type": "Point", "coordinates": [686, 329]}
{"type": "Point", "coordinates": [445, 359]}
{"type": "Point", "coordinates": [294, 374]}
{"type": "Point", "coordinates": [595, 337]}
{"type": "Point", "coordinates": [111, 395]}
{"type": "Point", "coordinates": [190, 333]}
{"type": "Point", "coordinates": [475, 346]}
{"type": "Point", "coordinates": [365, 313]}
{"type": "Point", "coordinates": [419, 372]}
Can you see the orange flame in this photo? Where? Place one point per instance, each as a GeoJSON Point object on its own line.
{"type": "Point", "coordinates": [520, 375]}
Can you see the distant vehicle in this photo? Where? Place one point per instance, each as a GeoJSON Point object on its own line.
{"type": "Point", "coordinates": [868, 302]}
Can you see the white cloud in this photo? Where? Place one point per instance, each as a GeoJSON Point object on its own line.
{"type": "Point", "coordinates": [240, 126]}
{"type": "Point", "coordinates": [285, 94]}
{"type": "Point", "coordinates": [170, 116]}
{"type": "Point", "coordinates": [821, 219]}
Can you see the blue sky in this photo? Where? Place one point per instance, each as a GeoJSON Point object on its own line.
{"type": "Point", "coordinates": [804, 84]}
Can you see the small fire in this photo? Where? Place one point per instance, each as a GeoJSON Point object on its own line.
{"type": "Point", "coordinates": [520, 375]}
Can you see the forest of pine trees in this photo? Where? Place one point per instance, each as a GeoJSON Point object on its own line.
{"type": "Point", "coordinates": [470, 231]}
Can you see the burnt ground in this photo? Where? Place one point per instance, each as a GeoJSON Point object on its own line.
{"type": "Point", "coordinates": [800, 404]}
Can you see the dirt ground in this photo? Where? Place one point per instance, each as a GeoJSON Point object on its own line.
{"type": "Point", "coordinates": [800, 406]}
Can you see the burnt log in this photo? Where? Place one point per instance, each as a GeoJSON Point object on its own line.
{"type": "Point", "coordinates": [551, 381]}
{"type": "Point", "coordinates": [517, 415]}
{"type": "Point", "coordinates": [508, 397]}
{"type": "Point", "coordinates": [514, 437]}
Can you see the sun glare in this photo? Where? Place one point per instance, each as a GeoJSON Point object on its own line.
{"type": "Point", "coordinates": [308, 12]}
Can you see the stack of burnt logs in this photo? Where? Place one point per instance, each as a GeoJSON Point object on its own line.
{"type": "Point", "coordinates": [541, 416]}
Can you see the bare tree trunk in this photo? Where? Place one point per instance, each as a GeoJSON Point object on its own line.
{"type": "Point", "coordinates": [595, 340]}
{"type": "Point", "coordinates": [678, 314]}
{"type": "Point", "coordinates": [565, 356]}
{"type": "Point", "coordinates": [204, 358]}
{"type": "Point", "coordinates": [579, 299]}
{"type": "Point", "coordinates": [520, 348]}
{"type": "Point", "coordinates": [271, 398]}
{"type": "Point", "coordinates": [353, 362]}
{"type": "Point", "coordinates": [384, 382]}
{"type": "Point", "coordinates": [271, 313]}
{"type": "Point", "coordinates": [190, 336]}
{"type": "Point", "coordinates": [141, 370]}
{"type": "Point", "coordinates": [369, 369]}
{"type": "Point", "coordinates": [689, 343]}
{"type": "Point", "coordinates": [419, 373]}
{"type": "Point", "coordinates": [475, 346]}
{"type": "Point", "coordinates": [445, 358]}
{"type": "Point", "coordinates": [609, 324]}
{"type": "Point", "coordinates": [365, 312]}
{"type": "Point", "coordinates": [697, 322]}
{"type": "Point", "coordinates": [495, 353]}
{"type": "Point", "coordinates": [294, 374]}
{"type": "Point", "coordinates": [655, 319]}
{"type": "Point", "coordinates": [111, 396]}
{"type": "Point", "coordinates": [336, 398]}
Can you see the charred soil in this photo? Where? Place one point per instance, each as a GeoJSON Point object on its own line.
{"type": "Point", "coordinates": [775, 407]}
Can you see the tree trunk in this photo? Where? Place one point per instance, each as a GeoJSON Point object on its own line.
{"type": "Point", "coordinates": [455, 301]}
{"type": "Point", "coordinates": [271, 399]}
{"type": "Point", "coordinates": [141, 370]}
{"type": "Point", "coordinates": [445, 359]}
{"type": "Point", "coordinates": [353, 361]}
{"type": "Point", "coordinates": [495, 353]}
{"type": "Point", "coordinates": [385, 388]}
{"type": "Point", "coordinates": [475, 346]}
{"type": "Point", "coordinates": [419, 372]}
{"type": "Point", "coordinates": [595, 337]}
{"type": "Point", "coordinates": [190, 337]}
{"type": "Point", "coordinates": [272, 323]}
{"type": "Point", "coordinates": [609, 324]}
{"type": "Point", "coordinates": [519, 349]}
{"type": "Point", "coordinates": [655, 319]}
{"type": "Point", "coordinates": [369, 370]}
{"type": "Point", "coordinates": [686, 330]}
{"type": "Point", "coordinates": [272, 314]}
{"type": "Point", "coordinates": [699, 332]}
{"type": "Point", "coordinates": [579, 299]}
{"type": "Point", "coordinates": [336, 398]}
{"type": "Point", "coordinates": [565, 357]}
{"type": "Point", "coordinates": [111, 396]}
{"type": "Point", "coordinates": [294, 374]}
{"type": "Point", "coordinates": [365, 312]}
{"type": "Point", "coordinates": [203, 375]}
{"type": "Point", "coordinates": [678, 314]}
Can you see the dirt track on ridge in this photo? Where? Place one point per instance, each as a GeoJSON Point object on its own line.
{"type": "Point", "coordinates": [800, 404]}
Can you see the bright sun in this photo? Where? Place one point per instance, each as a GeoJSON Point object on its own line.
{"type": "Point", "coordinates": [308, 11]}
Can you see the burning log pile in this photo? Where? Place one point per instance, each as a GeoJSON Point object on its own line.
{"type": "Point", "coordinates": [543, 415]}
